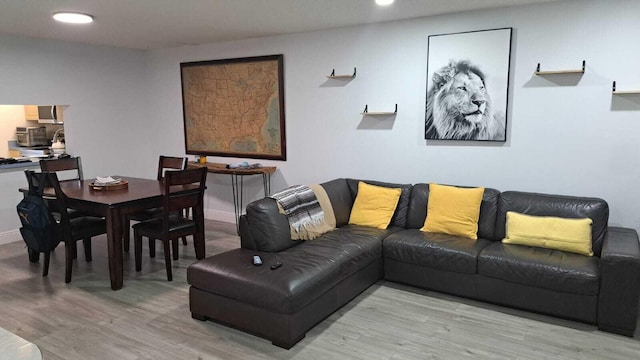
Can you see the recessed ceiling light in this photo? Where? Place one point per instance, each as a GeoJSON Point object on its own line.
{"type": "Point", "coordinates": [384, 2]}
{"type": "Point", "coordinates": [72, 17]}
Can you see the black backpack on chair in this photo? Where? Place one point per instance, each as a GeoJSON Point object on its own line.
{"type": "Point", "coordinates": [39, 228]}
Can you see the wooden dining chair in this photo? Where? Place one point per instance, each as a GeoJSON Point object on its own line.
{"type": "Point", "coordinates": [165, 163]}
{"type": "Point", "coordinates": [66, 169]}
{"type": "Point", "coordinates": [182, 189]}
{"type": "Point", "coordinates": [68, 229]}
{"type": "Point", "coordinates": [71, 165]}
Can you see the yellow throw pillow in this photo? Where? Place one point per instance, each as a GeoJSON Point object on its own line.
{"type": "Point", "coordinates": [572, 235]}
{"type": "Point", "coordinates": [374, 205]}
{"type": "Point", "coordinates": [453, 210]}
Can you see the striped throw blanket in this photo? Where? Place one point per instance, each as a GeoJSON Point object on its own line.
{"type": "Point", "coordinates": [308, 210]}
{"type": "Point", "coordinates": [300, 205]}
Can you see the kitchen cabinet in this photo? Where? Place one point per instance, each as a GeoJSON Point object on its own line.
{"type": "Point", "coordinates": [14, 153]}
{"type": "Point", "coordinates": [31, 112]}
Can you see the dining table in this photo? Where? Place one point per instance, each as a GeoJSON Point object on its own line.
{"type": "Point", "coordinates": [114, 205]}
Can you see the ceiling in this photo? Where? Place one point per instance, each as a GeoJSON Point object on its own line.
{"type": "Point", "coordinates": [153, 24]}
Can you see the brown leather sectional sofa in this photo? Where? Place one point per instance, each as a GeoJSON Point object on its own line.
{"type": "Point", "coordinates": [319, 276]}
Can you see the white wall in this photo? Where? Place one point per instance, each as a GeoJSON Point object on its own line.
{"type": "Point", "coordinates": [573, 139]}
{"type": "Point", "coordinates": [104, 87]}
{"type": "Point", "coordinates": [108, 111]}
{"type": "Point", "coordinates": [125, 106]}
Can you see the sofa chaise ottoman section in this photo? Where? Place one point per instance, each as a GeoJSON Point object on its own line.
{"type": "Point", "coordinates": [284, 290]}
{"type": "Point", "coordinates": [281, 305]}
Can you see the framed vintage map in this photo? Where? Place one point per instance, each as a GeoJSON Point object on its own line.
{"type": "Point", "coordinates": [234, 107]}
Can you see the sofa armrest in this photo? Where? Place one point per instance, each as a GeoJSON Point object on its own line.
{"type": "Point", "coordinates": [619, 281]}
{"type": "Point", "coordinates": [264, 228]}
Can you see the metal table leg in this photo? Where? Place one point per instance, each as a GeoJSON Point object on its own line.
{"type": "Point", "coordinates": [266, 184]}
{"type": "Point", "coordinates": [237, 186]}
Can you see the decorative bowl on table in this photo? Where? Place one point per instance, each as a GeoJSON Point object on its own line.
{"type": "Point", "coordinates": [108, 183]}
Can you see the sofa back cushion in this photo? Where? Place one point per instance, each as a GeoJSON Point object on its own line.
{"type": "Point", "coordinates": [417, 210]}
{"type": "Point", "coordinates": [570, 207]}
{"type": "Point", "coordinates": [400, 215]}
{"type": "Point", "coordinates": [341, 200]}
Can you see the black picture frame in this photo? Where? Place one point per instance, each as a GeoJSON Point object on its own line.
{"type": "Point", "coordinates": [234, 107]}
{"type": "Point", "coordinates": [468, 85]}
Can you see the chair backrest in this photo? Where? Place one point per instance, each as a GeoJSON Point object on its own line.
{"type": "Point", "coordinates": [184, 189]}
{"type": "Point", "coordinates": [63, 165]}
{"type": "Point", "coordinates": [170, 163]}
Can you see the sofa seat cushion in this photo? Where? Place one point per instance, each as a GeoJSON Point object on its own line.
{"type": "Point", "coordinates": [544, 268]}
{"type": "Point", "coordinates": [308, 270]}
{"type": "Point", "coordinates": [435, 250]}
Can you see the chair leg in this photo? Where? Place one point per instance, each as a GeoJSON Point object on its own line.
{"type": "Point", "coordinates": [186, 216]}
{"type": "Point", "coordinates": [126, 233]}
{"type": "Point", "coordinates": [68, 263]}
{"type": "Point", "coordinates": [86, 243]}
{"type": "Point", "coordinates": [152, 248]}
{"type": "Point", "coordinates": [167, 258]}
{"type": "Point", "coordinates": [34, 256]}
{"type": "Point", "coordinates": [74, 250]}
{"type": "Point", "coordinates": [45, 268]}
{"type": "Point", "coordinates": [137, 245]}
{"type": "Point", "coordinates": [174, 243]}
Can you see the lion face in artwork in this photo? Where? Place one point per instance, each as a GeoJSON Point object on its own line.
{"type": "Point", "coordinates": [465, 99]}
{"type": "Point", "coordinates": [459, 107]}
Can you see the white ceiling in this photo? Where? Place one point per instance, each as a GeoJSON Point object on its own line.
{"type": "Point", "coordinates": [152, 24]}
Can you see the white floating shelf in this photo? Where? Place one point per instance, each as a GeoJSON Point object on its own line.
{"type": "Point", "coordinates": [556, 72]}
{"type": "Point", "coordinates": [334, 76]}
{"type": "Point", "coordinates": [623, 92]}
{"type": "Point", "coordinates": [372, 113]}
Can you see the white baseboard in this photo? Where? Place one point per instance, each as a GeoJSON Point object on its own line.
{"type": "Point", "coordinates": [218, 215]}
{"type": "Point", "coordinates": [10, 236]}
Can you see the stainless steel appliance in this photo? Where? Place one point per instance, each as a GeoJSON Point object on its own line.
{"type": "Point", "coordinates": [31, 136]}
{"type": "Point", "coordinates": [49, 114]}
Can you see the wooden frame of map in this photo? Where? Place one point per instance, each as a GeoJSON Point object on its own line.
{"type": "Point", "coordinates": [234, 107]}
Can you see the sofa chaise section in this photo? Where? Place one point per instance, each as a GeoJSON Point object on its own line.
{"type": "Point", "coordinates": [283, 304]}
{"type": "Point", "coordinates": [317, 277]}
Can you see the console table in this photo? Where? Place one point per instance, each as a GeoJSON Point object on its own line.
{"type": "Point", "coordinates": [237, 181]}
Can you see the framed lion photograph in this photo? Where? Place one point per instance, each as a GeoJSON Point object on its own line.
{"type": "Point", "coordinates": [468, 85]}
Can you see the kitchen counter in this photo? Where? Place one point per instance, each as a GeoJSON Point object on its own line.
{"type": "Point", "coordinates": [18, 166]}
{"type": "Point", "coordinates": [27, 151]}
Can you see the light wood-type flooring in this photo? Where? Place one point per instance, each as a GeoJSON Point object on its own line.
{"type": "Point", "coordinates": [150, 319]}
